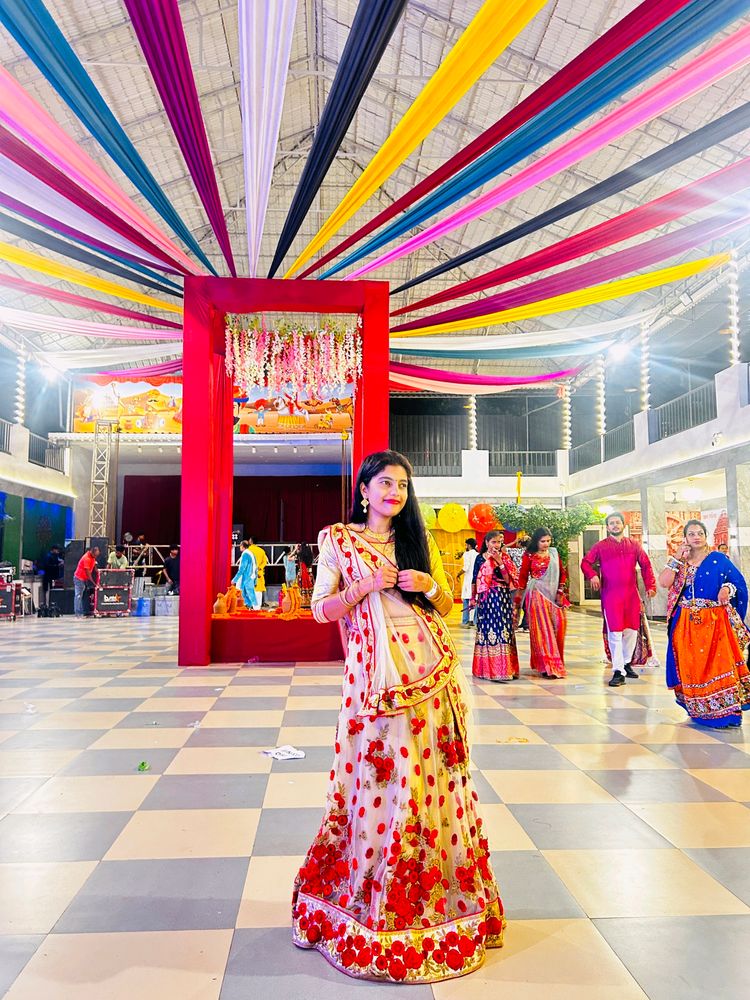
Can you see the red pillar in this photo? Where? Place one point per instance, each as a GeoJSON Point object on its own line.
{"type": "Point", "coordinates": [371, 421]}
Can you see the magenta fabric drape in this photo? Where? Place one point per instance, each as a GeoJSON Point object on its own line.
{"type": "Point", "coordinates": [594, 272]}
{"type": "Point", "coordinates": [716, 187]}
{"type": "Point", "coordinates": [90, 305]}
{"type": "Point", "coordinates": [620, 36]}
{"type": "Point", "coordinates": [465, 378]}
{"type": "Point", "coordinates": [166, 368]}
{"type": "Point", "coordinates": [162, 37]}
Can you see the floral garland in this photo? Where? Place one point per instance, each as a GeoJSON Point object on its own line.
{"type": "Point", "coordinates": [291, 358]}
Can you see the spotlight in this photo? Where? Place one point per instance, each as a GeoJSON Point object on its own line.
{"type": "Point", "coordinates": [294, 449]}
{"type": "Point", "coordinates": [254, 449]}
{"type": "Point", "coordinates": [619, 351]}
{"type": "Point", "coordinates": [275, 450]}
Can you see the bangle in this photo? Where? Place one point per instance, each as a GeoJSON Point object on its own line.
{"type": "Point", "coordinates": [731, 588]}
{"type": "Point", "coordinates": [434, 590]}
{"type": "Point", "coordinates": [342, 598]}
{"type": "Point", "coordinates": [674, 564]}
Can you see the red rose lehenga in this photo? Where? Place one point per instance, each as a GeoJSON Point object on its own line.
{"type": "Point", "coordinates": [397, 885]}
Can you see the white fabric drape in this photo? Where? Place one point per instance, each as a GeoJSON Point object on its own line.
{"type": "Point", "coordinates": [69, 360]}
{"type": "Point", "coordinates": [265, 40]}
{"type": "Point", "coordinates": [21, 319]}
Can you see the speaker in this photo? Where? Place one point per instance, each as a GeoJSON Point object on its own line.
{"type": "Point", "coordinates": [103, 545]}
{"type": "Point", "coordinates": [73, 552]}
{"type": "Point", "coordinates": [62, 600]}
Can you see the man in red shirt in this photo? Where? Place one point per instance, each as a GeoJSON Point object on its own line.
{"type": "Point", "coordinates": [610, 566]}
{"type": "Point", "coordinates": [84, 579]}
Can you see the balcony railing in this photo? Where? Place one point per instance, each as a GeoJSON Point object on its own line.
{"type": "Point", "coordinates": [693, 408]}
{"type": "Point", "coordinates": [586, 455]}
{"type": "Point", "coordinates": [435, 463]}
{"type": "Point", "coordinates": [46, 453]}
{"type": "Point", "coordinates": [619, 441]}
{"type": "Point", "coordinates": [5, 427]}
{"type": "Point", "coordinates": [530, 463]}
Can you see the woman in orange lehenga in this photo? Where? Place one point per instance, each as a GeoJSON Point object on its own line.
{"type": "Point", "coordinates": [708, 638]}
{"type": "Point", "coordinates": [542, 577]}
{"type": "Point", "coordinates": [397, 885]}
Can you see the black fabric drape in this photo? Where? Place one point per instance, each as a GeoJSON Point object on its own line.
{"type": "Point", "coordinates": [44, 239]}
{"type": "Point", "coordinates": [371, 30]}
{"type": "Point", "coordinates": [724, 127]}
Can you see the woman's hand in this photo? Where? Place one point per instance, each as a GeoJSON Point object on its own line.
{"type": "Point", "coordinates": [683, 552]}
{"type": "Point", "coordinates": [724, 595]}
{"type": "Point", "coordinates": [414, 581]}
{"type": "Point", "coordinates": [385, 578]}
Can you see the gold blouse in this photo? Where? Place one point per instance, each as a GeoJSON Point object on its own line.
{"type": "Point", "coordinates": [328, 579]}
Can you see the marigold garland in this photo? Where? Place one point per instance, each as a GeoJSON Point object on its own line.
{"type": "Point", "coordinates": [292, 358]}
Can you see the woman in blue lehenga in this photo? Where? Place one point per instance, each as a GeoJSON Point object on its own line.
{"type": "Point", "coordinates": [706, 607]}
{"type": "Point", "coordinates": [496, 578]}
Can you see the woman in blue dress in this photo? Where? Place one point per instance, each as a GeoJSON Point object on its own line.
{"type": "Point", "coordinates": [708, 638]}
{"type": "Point", "coordinates": [247, 576]}
{"type": "Point", "coordinates": [495, 652]}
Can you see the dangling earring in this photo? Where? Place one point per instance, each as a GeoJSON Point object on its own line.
{"type": "Point", "coordinates": [365, 504]}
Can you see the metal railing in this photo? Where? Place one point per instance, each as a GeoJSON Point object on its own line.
{"type": "Point", "coordinates": [435, 463]}
{"type": "Point", "coordinates": [47, 453]}
{"type": "Point", "coordinates": [689, 410]}
{"type": "Point", "coordinates": [619, 441]}
{"type": "Point", "coordinates": [586, 455]}
{"type": "Point", "coordinates": [530, 463]}
{"type": "Point", "coordinates": [5, 429]}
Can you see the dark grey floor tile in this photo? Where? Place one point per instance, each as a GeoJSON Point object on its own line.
{"type": "Point", "coordinates": [286, 831]}
{"type": "Point", "coordinates": [59, 836]}
{"type": "Point", "coordinates": [234, 737]}
{"type": "Point", "coordinates": [187, 692]}
{"type": "Point", "coordinates": [126, 682]}
{"type": "Point", "coordinates": [207, 791]}
{"type": "Point", "coordinates": [530, 888]}
{"type": "Point", "coordinates": [585, 827]}
{"type": "Point", "coordinates": [253, 680]}
{"type": "Point", "coordinates": [166, 720]}
{"type": "Point", "coordinates": [728, 865]}
{"type": "Point", "coordinates": [579, 734]}
{"type": "Point", "coordinates": [321, 717]}
{"type": "Point", "coordinates": [165, 895]}
{"type": "Point", "coordinates": [15, 722]}
{"type": "Point", "coordinates": [318, 759]}
{"type": "Point", "coordinates": [525, 757]}
{"type": "Point", "coordinates": [103, 762]}
{"type": "Point", "coordinates": [656, 786]}
{"type": "Point", "coordinates": [7, 681]}
{"type": "Point", "coordinates": [201, 671]}
{"type": "Point", "coordinates": [311, 691]}
{"type": "Point", "coordinates": [15, 952]}
{"type": "Point", "coordinates": [697, 755]}
{"type": "Point", "coordinates": [485, 791]}
{"type": "Point", "coordinates": [512, 702]}
{"type": "Point", "coordinates": [249, 705]}
{"type": "Point", "coordinates": [59, 692]}
{"type": "Point", "coordinates": [53, 739]}
{"type": "Point", "coordinates": [13, 790]}
{"type": "Point", "coordinates": [266, 963]}
{"type": "Point", "coordinates": [493, 717]}
{"type": "Point", "coordinates": [104, 705]}
{"type": "Point", "coordinates": [683, 958]}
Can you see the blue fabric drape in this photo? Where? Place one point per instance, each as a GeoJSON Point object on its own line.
{"type": "Point", "coordinates": [703, 138]}
{"type": "Point", "coordinates": [44, 239]}
{"type": "Point", "coordinates": [372, 27]}
{"type": "Point", "coordinates": [35, 30]}
{"type": "Point", "coordinates": [659, 48]}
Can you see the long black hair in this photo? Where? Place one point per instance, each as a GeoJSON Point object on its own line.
{"type": "Point", "coordinates": [305, 555]}
{"type": "Point", "coordinates": [488, 538]}
{"type": "Point", "coordinates": [532, 545]}
{"type": "Point", "coordinates": [410, 534]}
{"type": "Point", "coordinates": [691, 522]}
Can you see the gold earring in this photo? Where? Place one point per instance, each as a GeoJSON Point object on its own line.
{"type": "Point", "coordinates": [365, 504]}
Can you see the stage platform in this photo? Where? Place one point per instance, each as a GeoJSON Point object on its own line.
{"type": "Point", "coordinates": [265, 637]}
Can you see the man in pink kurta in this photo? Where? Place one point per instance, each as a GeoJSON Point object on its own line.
{"type": "Point", "coordinates": [610, 566]}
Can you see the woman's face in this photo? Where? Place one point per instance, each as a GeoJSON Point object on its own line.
{"type": "Point", "coordinates": [495, 545]}
{"type": "Point", "coordinates": [695, 536]}
{"type": "Point", "coordinates": [544, 543]}
{"type": "Point", "coordinates": [387, 491]}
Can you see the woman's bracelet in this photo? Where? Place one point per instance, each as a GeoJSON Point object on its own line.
{"type": "Point", "coordinates": [731, 588]}
{"type": "Point", "coordinates": [434, 590]}
{"type": "Point", "coordinates": [674, 564]}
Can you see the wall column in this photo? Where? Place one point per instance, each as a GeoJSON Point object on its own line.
{"type": "Point", "coordinates": [737, 479]}
{"type": "Point", "coordinates": [654, 518]}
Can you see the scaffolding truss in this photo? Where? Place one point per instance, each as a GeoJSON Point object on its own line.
{"type": "Point", "coordinates": [101, 458]}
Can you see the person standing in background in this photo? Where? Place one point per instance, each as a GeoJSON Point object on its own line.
{"type": "Point", "coordinates": [246, 576]}
{"type": "Point", "coordinates": [117, 559]}
{"type": "Point", "coordinates": [84, 582]}
{"type": "Point", "coordinates": [52, 569]}
{"type": "Point", "coordinates": [610, 567]}
{"type": "Point", "coordinates": [290, 566]}
{"type": "Point", "coordinates": [261, 561]}
{"type": "Point", "coordinates": [467, 577]}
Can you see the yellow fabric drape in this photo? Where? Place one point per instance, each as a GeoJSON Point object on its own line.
{"type": "Point", "coordinates": [493, 28]}
{"type": "Point", "coordinates": [24, 258]}
{"type": "Point", "coordinates": [576, 300]}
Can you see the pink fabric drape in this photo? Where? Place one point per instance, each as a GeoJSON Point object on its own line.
{"type": "Point", "coordinates": [464, 378]}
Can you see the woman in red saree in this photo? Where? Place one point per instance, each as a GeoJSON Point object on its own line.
{"type": "Point", "coordinates": [542, 577]}
{"type": "Point", "coordinates": [397, 885]}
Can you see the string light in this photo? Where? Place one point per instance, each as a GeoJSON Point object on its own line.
{"type": "Point", "coordinates": [566, 417]}
{"type": "Point", "coordinates": [645, 367]}
{"type": "Point", "coordinates": [472, 408]}
{"type": "Point", "coordinates": [733, 284]}
{"type": "Point", "coordinates": [20, 408]}
{"type": "Point", "coordinates": [601, 403]}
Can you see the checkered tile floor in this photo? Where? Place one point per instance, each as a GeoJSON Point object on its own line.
{"type": "Point", "coordinates": [620, 833]}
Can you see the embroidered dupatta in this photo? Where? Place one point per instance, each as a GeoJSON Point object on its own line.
{"type": "Point", "coordinates": [373, 636]}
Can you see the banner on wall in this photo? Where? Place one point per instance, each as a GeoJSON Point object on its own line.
{"type": "Point", "coordinates": [717, 527]}
{"type": "Point", "coordinates": [154, 406]}
{"type": "Point", "coordinates": [676, 521]}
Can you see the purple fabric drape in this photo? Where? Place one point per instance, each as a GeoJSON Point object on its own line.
{"type": "Point", "coordinates": [165, 368]}
{"type": "Point", "coordinates": [91, 305]}
{"type": "Point", "coordinates": [35, 164]}
{"type": "Point", "coordinates": [160, 32]}
{"type": "Point", "coordinates": [466, 378]}
{"type": "Point", "coordinates": [594, 272]}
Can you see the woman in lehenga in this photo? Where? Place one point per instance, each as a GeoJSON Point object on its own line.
{"type": "Point", "coordinates": [542, 578]}
{"type": "Point", "coordinates": [495, 652]}
{"type": "Point", "coordinates": [708, 638]}
{"type": "Point", "coordinates": [397, 885]}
